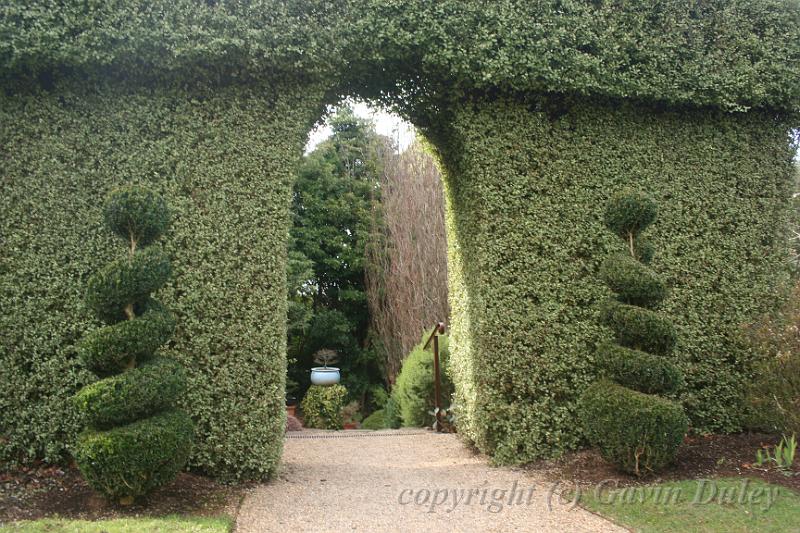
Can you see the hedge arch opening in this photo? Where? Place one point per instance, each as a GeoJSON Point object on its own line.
{"type": "Point", "coordinates": [538, 115]}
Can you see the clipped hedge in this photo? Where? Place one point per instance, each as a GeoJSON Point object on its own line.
{"type": "Point", "coordinates": [223, 160]}
{"type": "Point", "coordinates": [123, 281]}
{"type": "Point", "coordinates": [647, 373]}
{"type": "Point", "coordinates": [526, 183]}
{"type": "Point", "coordinates": [322, 407]}
{"type": "Point", "coordinates": [413, 390]}
{"type": "Point", "coordinates": [108, 350]}
{"type": "Point", "coordinates": [639, 328]}
{"type": "Point", "coordinates": [638, 432]}
{"type": "Point", "coordinates": [130, 459]}
{"type": "Point", "coordinates": [632, 282]}
{"type": "Point", "coordinates": [92, 103]}
{"type": "Point", "coordinates": [135, 394]}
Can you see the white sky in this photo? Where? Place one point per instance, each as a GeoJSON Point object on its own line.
{"type": "Point", "coordinates": [387, 124]}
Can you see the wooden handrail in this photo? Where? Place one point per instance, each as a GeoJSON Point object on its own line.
{"type": "Point", "coordinates": [437, 401]}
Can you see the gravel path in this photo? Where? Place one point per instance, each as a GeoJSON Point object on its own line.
{"type": "Point", "coordinates": [403, 480]}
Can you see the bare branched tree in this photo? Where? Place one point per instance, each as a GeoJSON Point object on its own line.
{"type": "Point", "coordinates": [407, 258]}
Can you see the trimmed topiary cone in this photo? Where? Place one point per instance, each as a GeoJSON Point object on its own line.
{"type": "Point", "coordinates": [136, 440]}
{"type": "Point", "coordinates": [636, 430]}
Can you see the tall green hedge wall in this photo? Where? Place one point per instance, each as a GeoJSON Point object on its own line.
{"type": "Point", "coordinates": [527, 182]}
{"type": "Point", "coordinates": [224, 161]}
{"type": "Point", "coordinates": [208, 103]}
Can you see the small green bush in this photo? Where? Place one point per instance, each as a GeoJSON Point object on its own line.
{"type": "Point", "coordinates": [322, 407]}
{"type": "Point", "coordinates": [392, 413]}
{"type": "Point", "coordinates": [143, 391]}
{"type": "Point", "coordinates": [377, 420]}
{"type": "Point", "coordinates": [639, 329]}
{"type": "Point", "coordinates": [414, 389]}
{"type": "Point", "coordinates": [651, 374]}
{"type": "Point", "coordinates": [638, 432]}
{"type": "Point", "coordinates": [633, 282]}
{"type": "Point", "coordinates": [135, 458]}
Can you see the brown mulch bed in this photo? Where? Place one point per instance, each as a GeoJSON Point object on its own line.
{"type": "Point", "coordinates": [49, 491]}
{"type": "Point", "coordinates": [711, 456]}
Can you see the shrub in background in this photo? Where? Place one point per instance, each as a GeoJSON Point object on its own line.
{"type": "Point", "coordinates": [322, 407]}
{"type": "Point", "coordinates": [136, 439]}
{"type": "Point", "coordinates": [638, 432]}
{"type": "Point", "coordinates": [414, 390]}
{"type": "Point", "coordinates": [774, 393]}
{"type": "Point", "coordinates": [377, 420]}
{"type": "Point", "coordinates": [392, 412]}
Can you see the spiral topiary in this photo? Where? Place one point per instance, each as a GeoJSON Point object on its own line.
{"type": "Point", "coordinates": [634, 429]}
{"type": "Point", "coordinates": [136, 440]}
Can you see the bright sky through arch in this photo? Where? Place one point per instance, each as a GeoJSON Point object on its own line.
{"type": "Point", "coordinates": [387, 124]}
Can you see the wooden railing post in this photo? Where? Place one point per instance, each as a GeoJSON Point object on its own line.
{"type": "Point", "coordinates": [437, 400]}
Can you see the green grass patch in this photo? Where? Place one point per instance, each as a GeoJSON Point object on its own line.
{"type": "Point", "coordinates": [168, 524]}
{"type": "Point", "coordinates": [730, 505]}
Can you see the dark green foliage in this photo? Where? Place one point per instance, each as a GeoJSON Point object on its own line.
{"type": "Point", "coordinates": [414, 389]}
{"type": "Point", "coordinates": [527, 178]}
{"type": "Point", "coordinates": [230, 204]}
{"type": "Point", "coordinates": [632, 282]}
{"type": "Point", "coordinates": [111, 349]}
{"type": "Point", "coordinates": [377, 420]}
{"type": "Point", "coordinates": [133, 459]}
{"type": "Point", "coordinates": [137, 214]}
{"type": "Point", "coordinates": [644, 249]}
{"type": "Point", "coordinates": [322, 407]}
{"type": "Point", "coordinates": [527, 182]}
{"type": "Point", "coordinates": [639, 433]}
{"type": "Point", "coordinates": [638, 328]}
{"type": "Point", "coordinates": [648, 373]}
{"type": "Point", "coordinates": [443, 49]}
{"type": "Point", "coordinates": [629, 213]}
{"type": "Point", "coordinates": [126, 281]}
{"type": "Point", "coordinates": [129, 396]}
{"type": "Point", "coordinates": [647, 430]}
{"type": "Point", "coordinates": [143, 387]}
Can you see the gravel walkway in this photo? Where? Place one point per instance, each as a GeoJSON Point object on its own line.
{"type": "Point", "coordinates": [403, 480]}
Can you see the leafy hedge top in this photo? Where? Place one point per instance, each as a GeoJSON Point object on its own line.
{"type": "Point", "coordinates": [732, 54]}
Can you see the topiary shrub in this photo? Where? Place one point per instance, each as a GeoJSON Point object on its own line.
{"type": "Point", "coordinates": [322, 407]}
{"type": "Point", "coordinates": [377, 420]}
{"type": "Point", "coordinates": [638, 432]}
{"type": "Point", "coordinates": [136, 440]}
{"type": "Point", "coordinates": [414, 390]}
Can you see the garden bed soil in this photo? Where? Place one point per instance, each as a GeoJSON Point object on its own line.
{"type": "Point", "coordinates": [54, 491]}
{"type": "Point", "coordinates": [700, 457]}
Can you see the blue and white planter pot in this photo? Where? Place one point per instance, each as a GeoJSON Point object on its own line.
{"type": "Point", "coordinates": [325, 376]}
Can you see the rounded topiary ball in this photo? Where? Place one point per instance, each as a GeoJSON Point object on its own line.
{"type": "Point", "coordinates": [137, 214]}
{"type": "Point", "coordinates": [630, 213]}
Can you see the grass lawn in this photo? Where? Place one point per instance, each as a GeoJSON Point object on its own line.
{"type": "Point", "coordinates": [719, 505]}
{"type": "Point", "coordinates": [170, 524]}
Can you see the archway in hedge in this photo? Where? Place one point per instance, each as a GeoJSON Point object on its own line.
{"type": "Point", "coordinates": [538, 115]}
